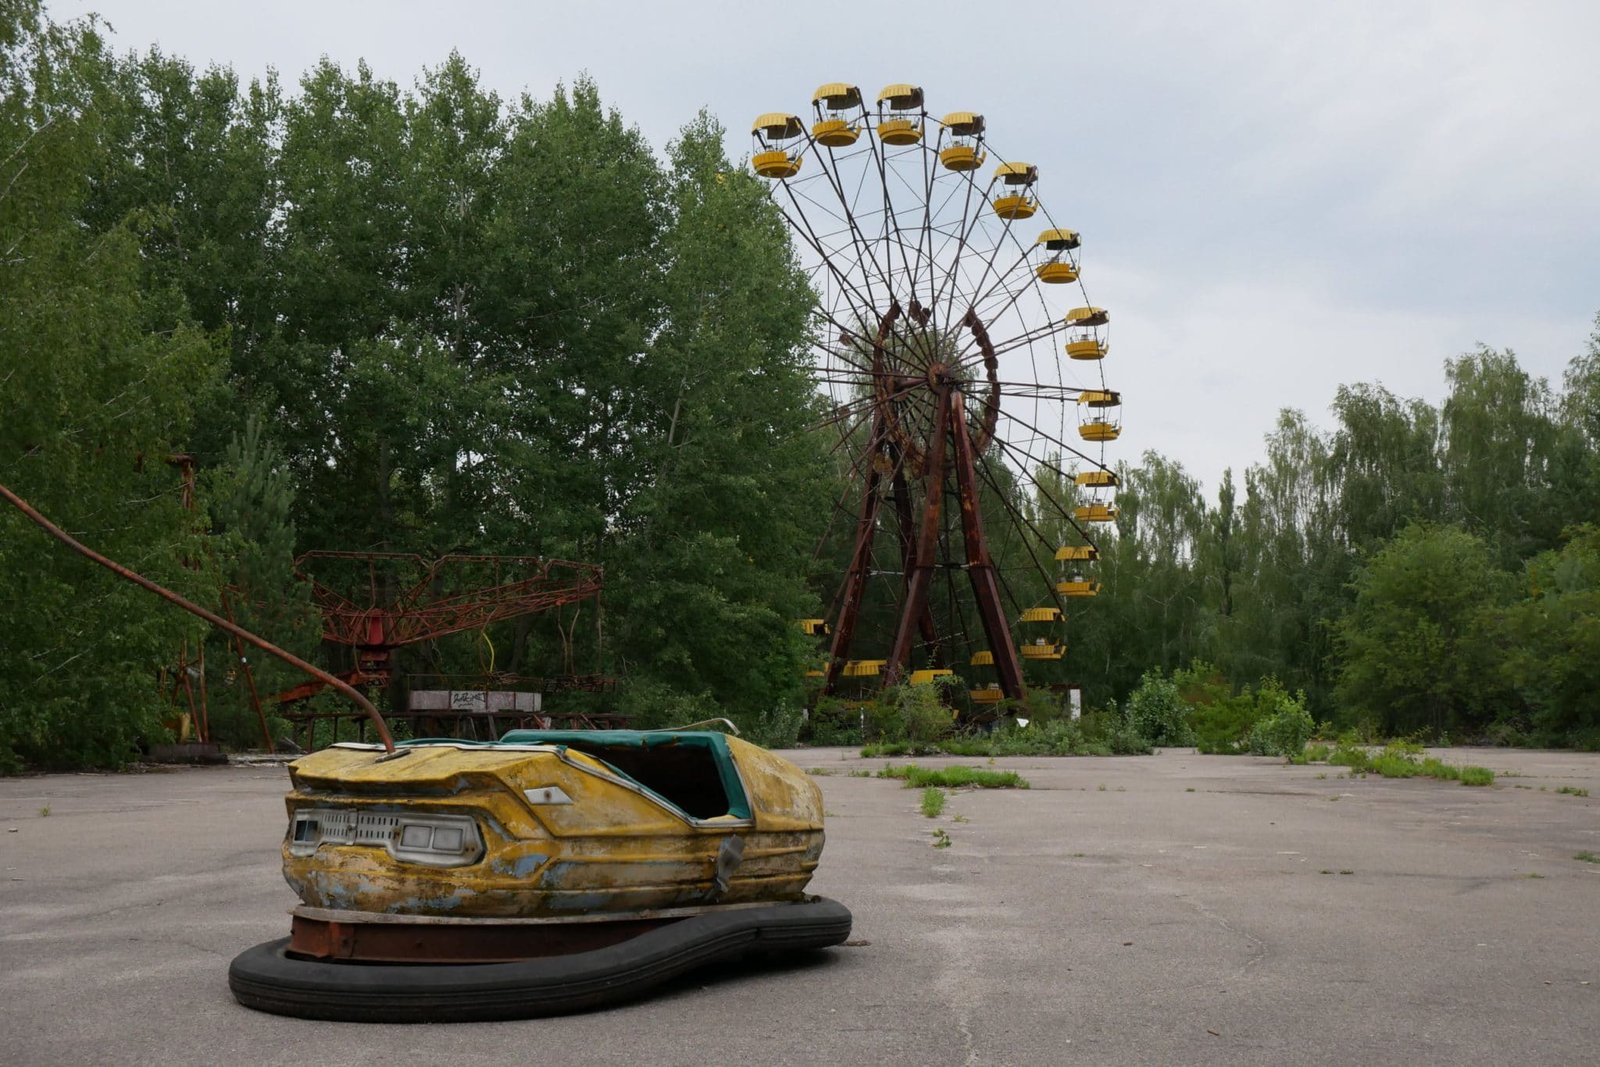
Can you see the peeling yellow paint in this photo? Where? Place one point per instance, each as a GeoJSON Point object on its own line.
{"type": "Point", "coordinates": [613, 848]}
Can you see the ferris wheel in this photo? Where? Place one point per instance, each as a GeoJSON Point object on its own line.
{"type": "Point", "coordinates": [956, 343]}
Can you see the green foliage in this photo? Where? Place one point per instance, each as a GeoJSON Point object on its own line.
{"type": "Point", "coordinates": [916, 777]}
{"type": "Point", "coordinates": [1285, 729]}
{"type": "Point", "coordinates": [1417, 647]}
{"type": "Point", "coordinates": [933, 802]}
{"type": "Point", "coordinates": [94, 405]}
{"type": "Point", "coordinates": [1404, 760]}
{"type": "Point", "coordinates": [1157, 713]}
{"type": "Point", "coordinates": [775, 727]}
{"type": "Point", "coordinates": [1551, 640]}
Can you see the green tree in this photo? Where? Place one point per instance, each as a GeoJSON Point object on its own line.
{"type": "Point", "coordinates": [1551, 642]}
{"type": "Point", "coordinates": [722, 527]}
{"type": "Point", "coordinates": [95, 406]}
{"type": "Point", "coordinates": [1417, 648]}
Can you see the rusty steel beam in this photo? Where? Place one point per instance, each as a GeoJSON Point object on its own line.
{"type": "Point", "coordinates": [195, 609]}
{"type": "Point", "coordinates": [927, 542]}
{"type": "Point", "coordinates": [855, 579]}
{"type": "Point", "coordinates": [902, 507]}
{"type": "Point", "coordinates": [980, 566]}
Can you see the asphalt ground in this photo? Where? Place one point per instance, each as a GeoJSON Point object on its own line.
{"type": "Point", "coordinates": [1172, 909]}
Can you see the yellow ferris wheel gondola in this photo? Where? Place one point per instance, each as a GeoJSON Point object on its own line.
{"type": "Point", "coordinates": [839, 109]}
{"type": "Point", "coordinates": [964, 151]}
{"type": "Point", "coordinates": [1077, 584]}
{"type": "Point", "coordinates": [1016, 199]}
{"type": "Point", "coordinates": [1100, 415]}
{"type": "Point", "coordinates": [900, 114]}
{"type": "Point", "coordinates": [1037, 645]}
{"type": "Point", "coordinates": [1086, 341]}
{"type": "Point", "coordinates": [984, 692]}
{"type": "Point", "coordinates": [1099, 508]}
{"type": "Point", "coordinates": [777, 144]}
{"type": "Point", "coordinates": [1055, 263]}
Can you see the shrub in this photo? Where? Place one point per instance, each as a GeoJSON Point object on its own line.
{"type": "Point", "coordinates": [777, 727]}
{"type": "Point", "coordinates": [1157, 713]}
{"type": "Point", "coordinates": [1285, 730]}
{"type": "Point", "coordinates": [1222, 728]}
{"type": "Point", "coordinates": [833, 722]}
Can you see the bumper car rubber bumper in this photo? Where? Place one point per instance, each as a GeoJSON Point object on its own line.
{"type": "Point", "coordinates": [267, 978]}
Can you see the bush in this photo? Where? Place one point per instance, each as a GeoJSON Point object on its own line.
{"type": "Point", "coordinates": [1285, 730]}
{"type": "Point", "coordinates": [1222, 728]}
{"type": "Point", "coordinates": [833, 722]}
{"type": "Point", "coordinates": [653, 705]}
{"type": "Point", "coordinates": [1156, 712]}
{"type": "Point", "coordinates": [777, 727]}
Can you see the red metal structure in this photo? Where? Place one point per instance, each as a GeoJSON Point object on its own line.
{"type": "Point", "coordinates": [374, 603]}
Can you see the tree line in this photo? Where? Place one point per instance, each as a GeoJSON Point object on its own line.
{"type": "Point", "coordinates": [1413, 569]}
{"type": "Point", "coordinates": [429, 319]}
{"type": "Point", "coordinates": [416, 320]}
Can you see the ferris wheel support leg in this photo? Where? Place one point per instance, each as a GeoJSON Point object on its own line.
{"type": "Point", "coordinates": [902, 508]}
{"type": "Point", "coordinates": [927, 544]}
{"type": "Point", "coordinates": [980, 566]}
{"type": "Point", "coordinates": [855, 580]}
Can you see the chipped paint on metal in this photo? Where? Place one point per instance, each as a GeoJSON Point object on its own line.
{"type": "Point", "coordinates": [616, 847]}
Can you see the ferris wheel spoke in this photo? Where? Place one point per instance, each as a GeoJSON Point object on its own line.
{"type": "Point", "coordinates": [1061, 509]}
{"type": "Point", "coordinates": [858, 239]}
{"type": "Point", "coordinates": [858, 300]}
{"type": "Point", "coordinates": [1022, 521]}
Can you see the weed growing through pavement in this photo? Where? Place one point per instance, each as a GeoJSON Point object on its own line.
{"type": "Point", "coordinates": [1569, 790]}
{"type": "Point", "coordinates": [941, 839]}
{"type": "Point", "coordinates": [953, 777]}
{"type": "Point", "coordinates": [820, 772]}
{"type": "Point", "coordinates": [44, 811]}
{"type": "Point", "coordinates": [861, 774]}
{"type": "Point", "coordinates": [1403, 760]}
{"type": "Point", "coordinates": [933, 802]}
{"type": "Point", "coordinates": [1587, 857]}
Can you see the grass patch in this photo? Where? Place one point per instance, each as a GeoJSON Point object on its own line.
{"type": "Point", "coordinates": [883, 749]}
{"type": "Point", "coordinates": [933, 802]}
{"type": "Point", "coordinates": [1313, 753]}
{"type": "Point", "coordinates": [953, 777]}
{"type": "Point", "coordinates": [1569, 790]}
{"type": "Point", "coordinates": [1405, 760]}
{"type": "Point", "coordinates": [1586, 857]}
{"type": "Point", "coordinates": [820, 772]}
{"type": "Point", "coordinates": [941, 839]}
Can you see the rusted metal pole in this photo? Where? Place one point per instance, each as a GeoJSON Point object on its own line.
{"type": "Point", "coordinates": [855, 581]}
{"type": "Point", "coordinates": [916, 590]}
{"type": "Point", "coordinates": [980, 566]}
{"type": "Point", "coordinates": [195, 609]}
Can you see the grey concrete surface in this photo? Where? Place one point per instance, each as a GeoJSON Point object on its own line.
{"type": "Point", "coordinates": [1155, 910]}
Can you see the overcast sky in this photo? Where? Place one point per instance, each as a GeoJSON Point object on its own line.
{"type": "Point", "coordinates": [1275, 198]}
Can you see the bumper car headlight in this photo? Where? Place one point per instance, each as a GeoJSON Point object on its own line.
{"type": "Point", "coordinates": [434, 840]}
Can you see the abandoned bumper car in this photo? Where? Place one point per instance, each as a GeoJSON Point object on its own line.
{"type": "Point", "coordinates": [547, 872]}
